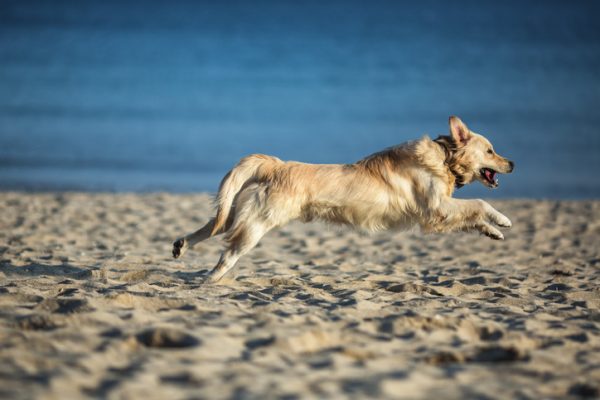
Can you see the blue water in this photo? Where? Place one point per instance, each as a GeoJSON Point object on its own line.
{"type": "Point", "coordinates": [143, 96]}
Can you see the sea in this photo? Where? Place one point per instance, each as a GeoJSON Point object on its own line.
{"type": "Point", "coordinates": [144, 96]}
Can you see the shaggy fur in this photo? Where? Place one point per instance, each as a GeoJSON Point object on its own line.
{"type": "Point", "coordinates": [410, 184]}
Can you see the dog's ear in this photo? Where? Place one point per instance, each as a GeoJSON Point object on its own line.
{"type": "Point", "coordinates": [459, 131]}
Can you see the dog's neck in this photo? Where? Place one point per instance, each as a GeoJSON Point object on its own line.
{"type": "Point", "coordinates": [448, 146]}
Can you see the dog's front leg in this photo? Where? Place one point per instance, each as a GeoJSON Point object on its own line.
{"type": "Point", "coordinates": [467, 215]}
{"type": "Point", "coordinates": [496, 216]}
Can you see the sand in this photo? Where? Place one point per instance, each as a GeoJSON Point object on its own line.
{"type": "Point", "coordinates": [93, 305]}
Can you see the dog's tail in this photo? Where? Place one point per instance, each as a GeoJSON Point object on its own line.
{"type": "Point", "coordinates": [251, 168]}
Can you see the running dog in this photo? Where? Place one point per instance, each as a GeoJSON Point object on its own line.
{"type": "Point", "coordinates": [397, 188]}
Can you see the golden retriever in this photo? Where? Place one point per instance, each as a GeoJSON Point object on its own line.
{"type": "Point", "coordinates": [406, 185]}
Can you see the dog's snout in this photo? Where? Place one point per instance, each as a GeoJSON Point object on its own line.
{"type": "Point", "coordinates": [511, 164]}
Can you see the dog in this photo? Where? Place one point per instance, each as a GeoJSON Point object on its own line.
{"type": "Point", "coordinates": [397, 188]}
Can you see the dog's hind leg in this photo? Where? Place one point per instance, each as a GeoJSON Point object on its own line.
{"type": "Point", "coordinates": [255, 215]}
{"type": "Point", "coordinates": [181, 245]}
{"type": "Point", "coordinates": [247, 236]}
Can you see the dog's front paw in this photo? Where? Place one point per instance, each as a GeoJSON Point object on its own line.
{"type": "Point", "coordinates": [494, 235]}
{"type": "Point", "coordinates": [503, 221]}
{"type": "Point", "coordinates": [490, 232]}
{"type": "Point", "coordinates": [179, 247]}
{"type": "Point", "coordinates": [495, 216]}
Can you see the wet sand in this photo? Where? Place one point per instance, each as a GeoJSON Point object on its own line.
{"type": "Point", "coordinates": [93, 305]}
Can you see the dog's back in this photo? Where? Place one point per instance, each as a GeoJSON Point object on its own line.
{"type": "Point", "coordinates": [382, 191]}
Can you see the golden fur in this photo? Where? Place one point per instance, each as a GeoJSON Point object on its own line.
{"type": "Point", "coordinates": [410, 184]}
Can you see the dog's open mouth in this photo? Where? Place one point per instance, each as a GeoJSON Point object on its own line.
{"type": "Point", "coordinates": [489, 176]}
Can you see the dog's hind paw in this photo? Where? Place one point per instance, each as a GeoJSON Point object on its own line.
{"type": "Point", "coordinates": [179, 247]}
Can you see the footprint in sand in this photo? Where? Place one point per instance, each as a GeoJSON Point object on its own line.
{"type": "Point", "coordinates": [64, 306]}
{"type": "Point", "coordinates": [166, 338]}
{"type": "Point", "coordinates": [37, 322]}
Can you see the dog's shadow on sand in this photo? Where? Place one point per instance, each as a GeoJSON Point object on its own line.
{"type": "Point", "coordinates": [190, 277]}
{"type": "Point", "coordinates": [39, 269]}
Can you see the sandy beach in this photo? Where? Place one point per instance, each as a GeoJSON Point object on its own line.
{"type": "Point", "coordinates": [93, 305]}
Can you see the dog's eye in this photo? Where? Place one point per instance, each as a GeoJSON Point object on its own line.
{"type": "Point", "coordinates": [490, 151]}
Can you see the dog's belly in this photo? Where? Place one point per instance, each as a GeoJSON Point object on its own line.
{"type": "Point", "coordinates": [372, 218]}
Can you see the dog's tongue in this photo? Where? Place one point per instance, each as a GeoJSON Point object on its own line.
{"type": "Point", "coordinates": [490, 175]}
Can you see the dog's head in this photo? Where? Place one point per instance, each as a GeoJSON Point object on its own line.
{"type": "Point", "coordinates": [473, 156]}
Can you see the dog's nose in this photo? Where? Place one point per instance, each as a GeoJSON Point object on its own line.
{"type": "Point", "coordinates": [512, 166]}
